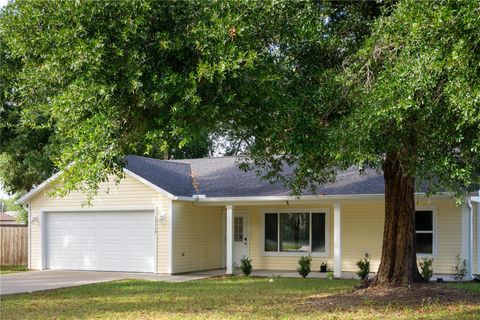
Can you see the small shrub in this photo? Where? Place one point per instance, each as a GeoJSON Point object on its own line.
{"type": "Point", "coordinates": [304, 265]}
{"type": "Point", "coordinates": [323, 267]}
{"type": "Point", "coordinates": [246, 266]}
{"type": "Point", "coordinates": [330, 275]}
{"type": "Point", "coordinates": [460, 268]}
{"type": "Point", "coordinates": [426, 269]}
{"type": "Point", "coordinates": [363, 265]}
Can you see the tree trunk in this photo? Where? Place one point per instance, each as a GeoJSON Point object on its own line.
{"type": "Point", "coordinates": [399, 261]}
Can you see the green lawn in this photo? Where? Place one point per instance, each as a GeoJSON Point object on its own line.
{"type": "Point", "coordinates": [12, 269]}
{"type": "Point", "coordinates": [470, 286]}
{"type": "Point", "coordinates": [224, 298]}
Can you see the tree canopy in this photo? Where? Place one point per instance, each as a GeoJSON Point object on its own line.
{"type": "Point", "coordinates": [317, 85]}
{"type": "Point", "coordinates": [88, 82]}
{"type": "Point", "coordinates": [414, 83]}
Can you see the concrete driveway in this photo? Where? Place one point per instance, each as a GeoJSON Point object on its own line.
{"type": "Point", "coordinates": [52, 279]}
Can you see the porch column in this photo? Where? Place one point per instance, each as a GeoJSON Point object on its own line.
{"type": "Point", "coordinates": [337, 241]}
{"type": "Point", "coordinates": [229, 239]}
{"type": "Point", "coordinates": [467, 239]}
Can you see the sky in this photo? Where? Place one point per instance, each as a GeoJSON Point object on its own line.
{"type": "Point", "coordinates": [3, 2]}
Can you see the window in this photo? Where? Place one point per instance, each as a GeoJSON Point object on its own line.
{"type": "Point", "coordinates": [295, 232]}
{"type": "Point", "coordinates": [238, 229]}
{"type": "Point", "coordinates": [424, 231]}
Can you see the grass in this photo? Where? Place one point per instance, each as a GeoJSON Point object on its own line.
{"type": "Point", "coordinates": [222, 298]}
{"type": "Point", "coordinates": [469, 286]}
{"type": "Point", "coordinates": [12, 269]}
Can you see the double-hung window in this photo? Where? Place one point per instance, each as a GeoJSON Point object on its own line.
{"type": "Point", "coordinates": [302, 231]}
{"type": "Point", "coordinates": [424, 231]}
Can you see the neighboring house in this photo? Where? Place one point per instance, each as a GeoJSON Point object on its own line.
{"type": "Point", "coordinates": [6, 217]}
{"type": "Point", "coordinates": [188, 215]}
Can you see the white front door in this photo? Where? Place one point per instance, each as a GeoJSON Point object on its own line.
{"type": "Point", "coordinates": [240, 237]}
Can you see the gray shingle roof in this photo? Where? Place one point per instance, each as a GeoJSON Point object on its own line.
{"type": "Point", "coordinates": [221, 177]}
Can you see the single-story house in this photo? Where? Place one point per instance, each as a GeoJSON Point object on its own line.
{"type": "Point", "coordinates": [7, 217]}
{"type": "Point", "coordinates": [180, 216]}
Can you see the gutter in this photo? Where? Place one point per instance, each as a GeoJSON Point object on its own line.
{"type": "Point", "coordinates": [201, 198]}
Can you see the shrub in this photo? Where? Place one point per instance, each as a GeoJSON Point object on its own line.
{"type": "Point", "coordinates": [323, 267]}
{"type": "Point", "coordinates": [363, 265]}
{"type": "Point", "coordinates": [426, 269]}
{"type": "Point", "coordinates": [460, 268]}
{"type": "Point", "coordinates": [330, 275]}
{"type": "Point", "coordinates": [246, 266]}
{"type": "Point", "coordinates": [304, 265]}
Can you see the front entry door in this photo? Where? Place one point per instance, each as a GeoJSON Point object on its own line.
{"type": "Point", "coordinates": [240, 237]}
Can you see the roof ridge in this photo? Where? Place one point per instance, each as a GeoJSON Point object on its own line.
{"type": "Point", "coordinates": [159, 160]}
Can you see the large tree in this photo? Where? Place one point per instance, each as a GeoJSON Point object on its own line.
{"type": "Point", "coordinates": [407, 104]}
{"type": "Point", "coordinates": [415, 88]}
{"type": "Point", "coordinates": [87, 82]}
{"type": "Point", "coordinates": [304, 84]}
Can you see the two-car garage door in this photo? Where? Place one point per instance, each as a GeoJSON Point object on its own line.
{"type": "Point", "coordinates": [100, 240]}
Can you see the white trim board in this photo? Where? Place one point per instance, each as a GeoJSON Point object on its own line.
{"type": "Point", "coordinates": [47, 182]}
{"type": "Point", "coordinates": [434, 210]}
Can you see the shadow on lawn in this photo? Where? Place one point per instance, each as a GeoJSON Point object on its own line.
{"type": "Point", "coordinates": [240, 298]}
{"type": "Point", "coordinates": [143, 299]}
{"type": "Point", "coordinates": [415, 297]}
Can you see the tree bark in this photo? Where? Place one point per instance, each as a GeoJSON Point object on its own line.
{"type": "Point", "coordinates": [398, 265]}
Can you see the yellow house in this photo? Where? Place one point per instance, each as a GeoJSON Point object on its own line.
{"type": "Point", "coordinates": [180, 216]}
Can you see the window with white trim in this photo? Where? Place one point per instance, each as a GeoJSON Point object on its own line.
{"type": "Point", "coordinates": [290, 232]}
{"type": "Point", "coordinates": [424, 231]}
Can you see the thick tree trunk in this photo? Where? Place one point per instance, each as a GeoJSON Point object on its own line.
{"type": "Point", "coordinates": [399, 262]}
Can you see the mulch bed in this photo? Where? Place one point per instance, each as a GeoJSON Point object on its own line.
{"type": "Point", "coordinates": [416, 295]}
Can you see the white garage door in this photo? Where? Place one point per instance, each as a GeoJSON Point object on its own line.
{"type": "Point", "coordinates": [106, 241]}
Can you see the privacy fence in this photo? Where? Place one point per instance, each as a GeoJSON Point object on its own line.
{"type": "Point", "coordinates": [13, 245]}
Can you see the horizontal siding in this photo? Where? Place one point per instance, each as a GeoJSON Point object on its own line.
{"type": "Point", "coordinates": [362, 232]}
{"type": "Point", "coordinates": [128, 194]}
{"type": "Point", "coordinates": [449, 236]}
{"type": "Point", "coordinates": [197, 237]}
{"type": "Point", "coordinates": [280, 262]}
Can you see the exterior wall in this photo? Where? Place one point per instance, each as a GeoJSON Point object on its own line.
{"type": "Point", "coordinates": [362, 232]}
{"type": "Point", "coordinates": [129, 194]}
{"type": "Point", "coordinates": [476, 237]}
{"type": "Point", "coordinates": [260, 261]}
{"type": "Point", "coordinates": [198, 242]}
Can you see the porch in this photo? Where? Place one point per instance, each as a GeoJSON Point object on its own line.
{"type": "Point", "coordinates": [218, 234]}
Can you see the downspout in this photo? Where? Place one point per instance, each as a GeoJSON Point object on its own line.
{"type": "Point", "coordinates": [29, 226]}
{"type": "Point", "coordinates": [470, 239]}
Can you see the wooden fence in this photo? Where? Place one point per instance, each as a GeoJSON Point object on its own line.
{"type": "Point", "coordinates": [13, 245]}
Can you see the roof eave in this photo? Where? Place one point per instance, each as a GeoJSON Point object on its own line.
{"type": "Point", "coordinates": [45, 184]}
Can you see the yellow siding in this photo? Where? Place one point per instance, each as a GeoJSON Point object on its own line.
{"type": "Point", "coordinates": [362, 232]}
{"type": "Point", "coordinates": [128, 194]}
{"type": "Point", "coordinates": [197, 237]}
{"type": "Point", "coordinates": [280, 262]}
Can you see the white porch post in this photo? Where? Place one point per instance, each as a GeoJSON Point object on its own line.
{"type": "Point", "coordinates": [467, 239]}
{"type": "Point", "coordinates": [337, 241]}
{"type": "Point", "coordinates": [229, 239]}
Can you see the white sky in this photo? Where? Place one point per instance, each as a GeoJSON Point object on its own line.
{"type": "Point", "coordinates": [3, 194]}
{"type": "Point", "coordinates": [3, 2]}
